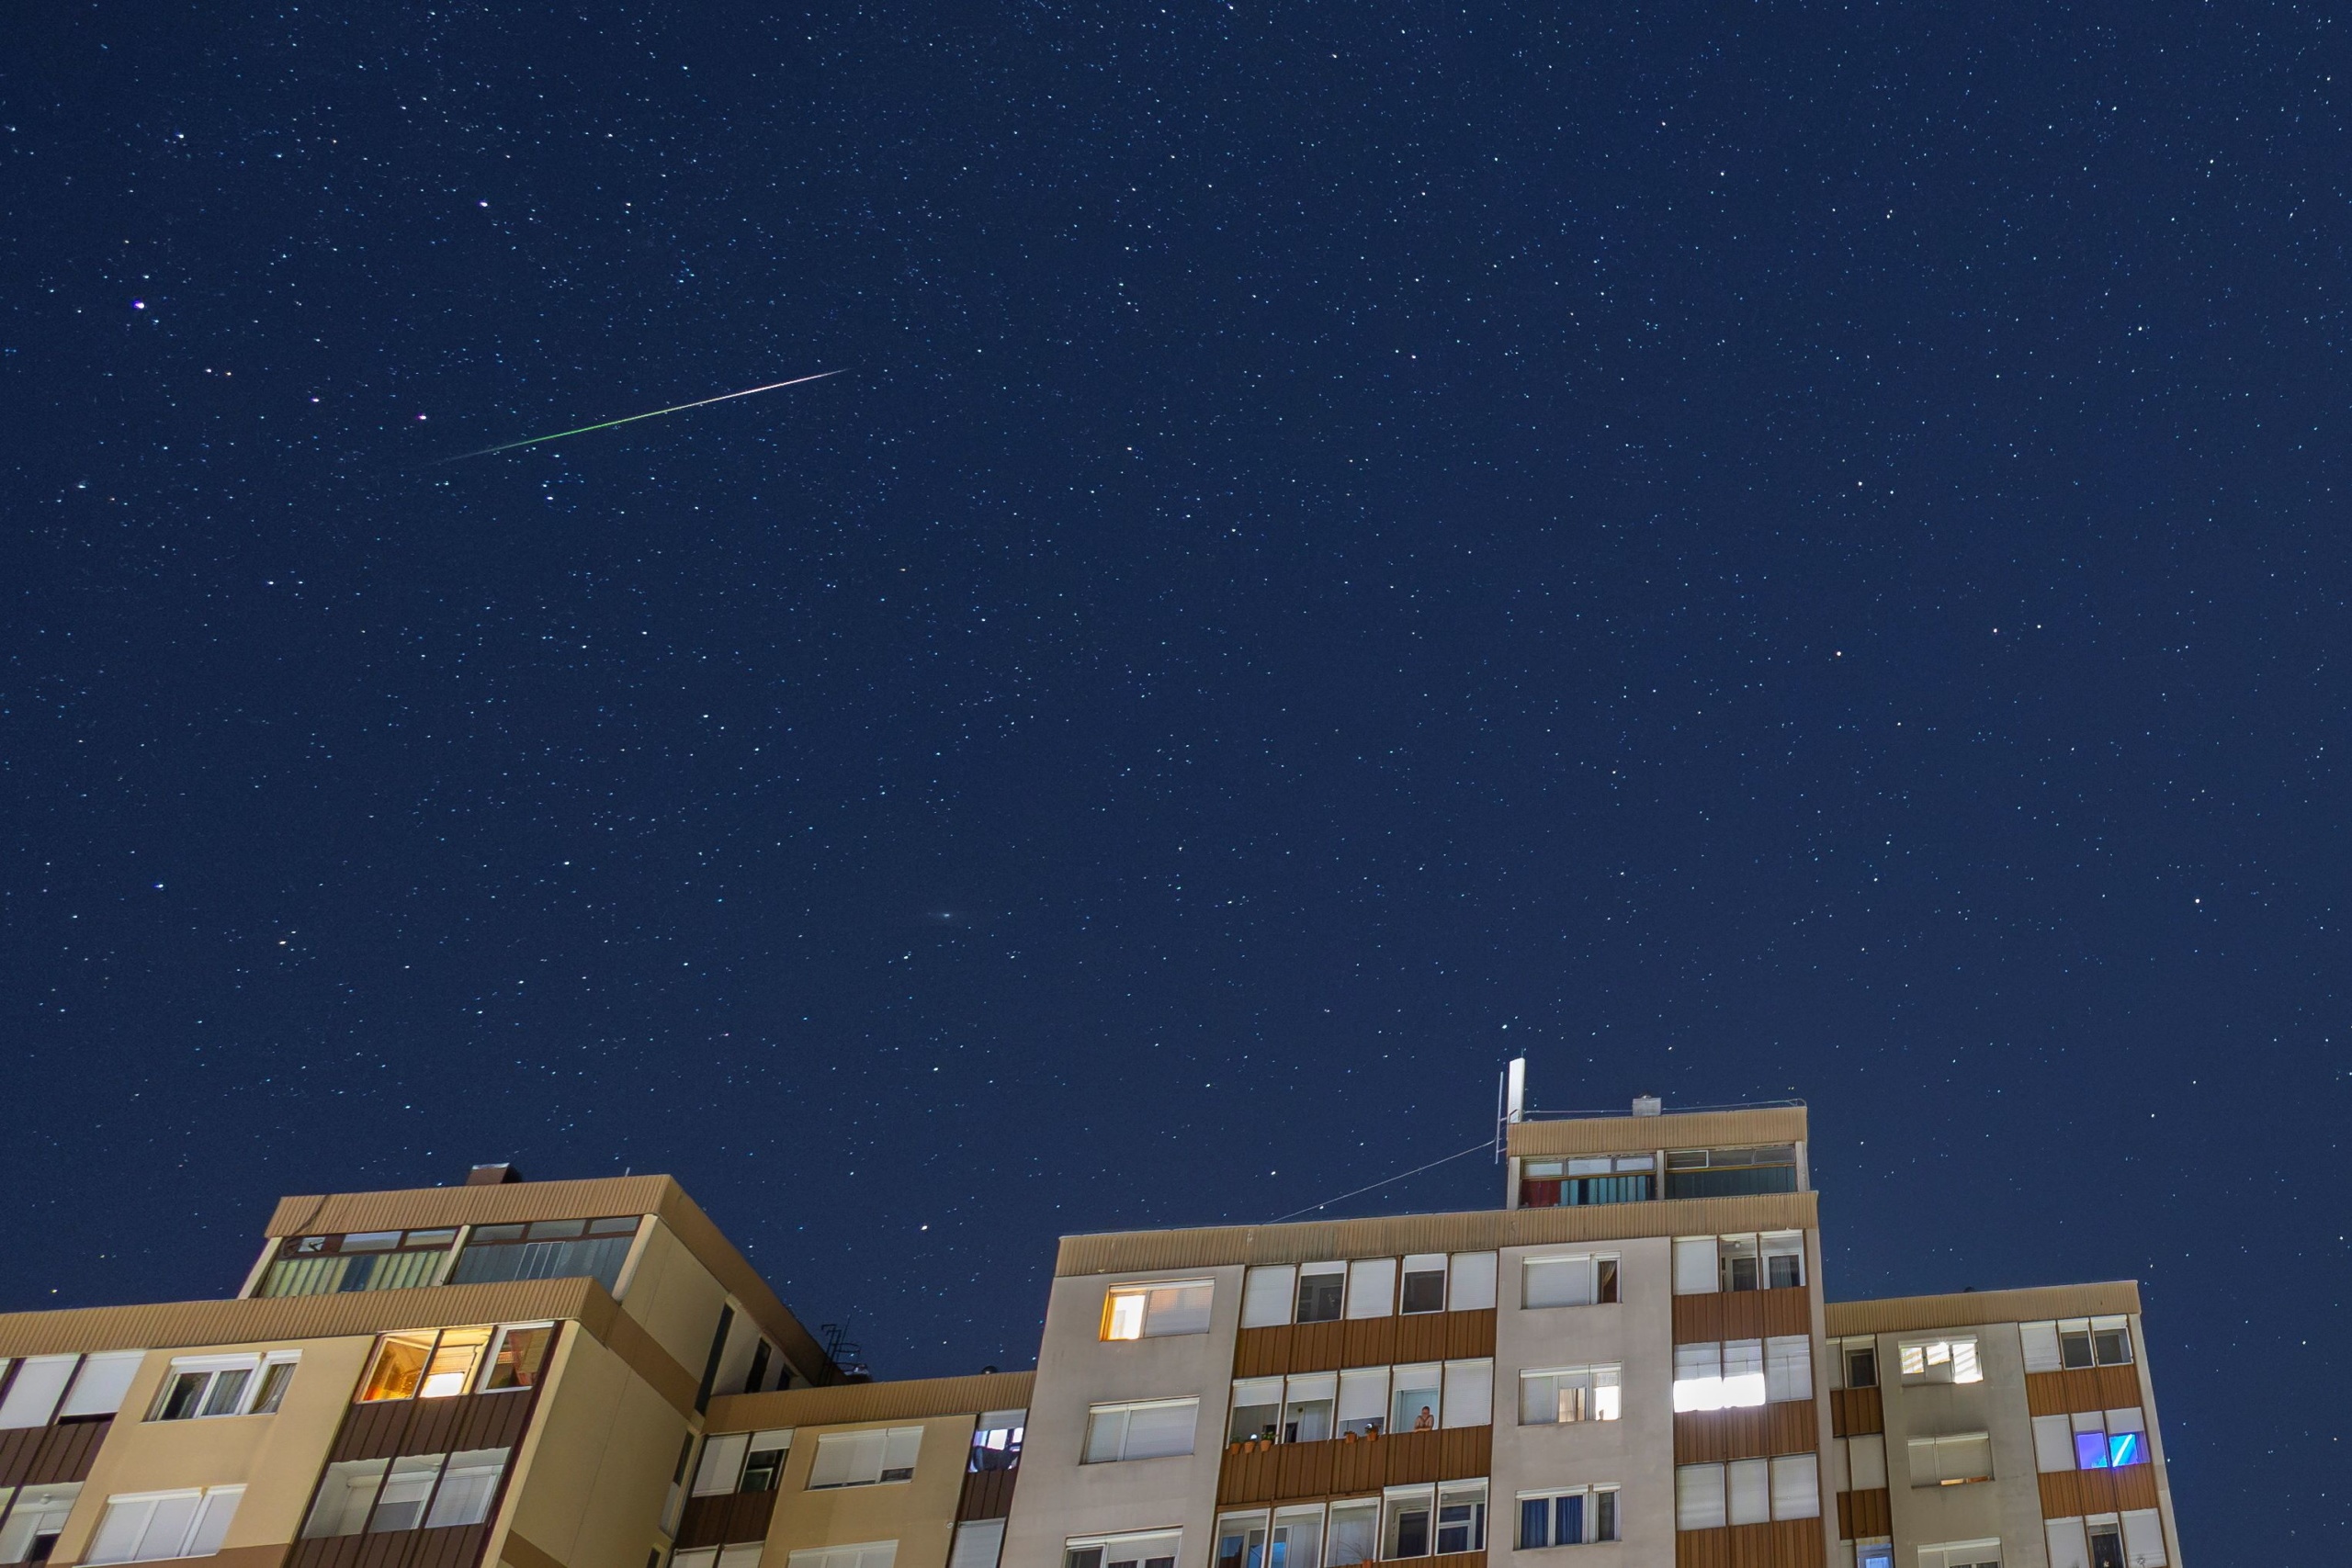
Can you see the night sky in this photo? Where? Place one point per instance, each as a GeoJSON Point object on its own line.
{"type": "Point", "coordinates": [1742, 551]}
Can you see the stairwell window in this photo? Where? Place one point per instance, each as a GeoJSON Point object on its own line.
{"type": "Point", "coordinates": [1940, 1361]}
{"type": "Point", "coordinates": [1149, 1312]}
{"type": "Point", "coordinates": [1957, 1460]}
{"type": "Point", "coordinates": [1579, 1279]}
{"type": "Point", "coordinates": [1567, 1394]}
{"type": "Point", "coordinates": [1144, 1428]}
{"type": "Point", "coordinates": [864, 1459]}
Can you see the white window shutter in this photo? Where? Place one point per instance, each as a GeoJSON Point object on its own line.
{"type": "Point", "coordinates": [2053, 1443]}
{"type": "Point", "coordinates": [1469, 1394]}
{"type": "Point", "coordinates": [722, 1465]}
{"type": "Point", "coordinates": [2041, 1340]}
{"type": "Point", "coordinates": [168, 1532]}
{"type": "Point", "coordinates": [2144, 1539]}
{"type": "Point", "coordinates": [2068, 1548]}
{"type": "Point", "coordinates": [1473, 1282]}
{"type": "Point", "coordinates": [119, 1533]}
{"type": "Point", "coordinates": [1787, 1367]}
{"type": "Point", "coordinates": [1372, 1287]}
{"type": "Point", "coordinates": [1555, 1282]}
{"type": "Point", "coordinates": [903, 1445]}
{"type": "Point", "coordinates": [1796, 1487]}
{"type": "Point", "coordinates": [1748, 1490]}
{"type": "Point", "coordinates": [1694, 1265]}
{"type": "Point", "coordinates": [744, 1556]}
{"type": "Point", "coordinates": [1266, 1298]}
{"type": "Point", "coordinates": [213, 1519]}
{"type": "Point", "coordinates": [1699, 1496]}
{"type": "Point", "coordinates": [1155, 1431]}
{"type": "Point", "coordinates": [978, 1544]}
{"type": "Point", "coordinates": [32, 1397]}
{"type": "Point", "coordinates": [104, 1379]}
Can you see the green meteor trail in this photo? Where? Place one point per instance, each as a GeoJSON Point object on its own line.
{"type": "Point", "coordinates": [632, 419]}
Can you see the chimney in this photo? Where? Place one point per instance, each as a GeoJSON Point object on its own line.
{"type": "Point", "coordinates": [497, 1175]}
{"type": "Point", "coordinates": [1647, 1105]}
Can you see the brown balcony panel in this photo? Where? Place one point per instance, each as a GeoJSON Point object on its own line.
{"type": "Point", "coordinates": [1711, 1437]}
{"type": "Point", "coordinates": [391, 1427]}
{"type": "Point", "coordinates": [988, 1495]}
{"type": "Point", "coordinates": [1341, 1467]}
{"type": "Point", "coordinates": [2086, 1388]}
{"type": "Point", "coordinates": [1853, 1411]}
{"type": "Point", "coordinates": [453, 1546]}
{"type": "Point", "coordinates": [726, 1520]}
{"type": "Point", "coordinates": [1456, 1560]}
{"type": "Point", "coordinates": [2066, 1493]}
{"type": "Point", "coordinates": [1864, 1514]}
{"type": "Point", "coordinates": [38, 1456]}
{"type": "Point", "coordinates": [1742, 1314]}
{"type": "Point", "coordinates": [1363, 1342]}
{"type": "Point", "coordinates": [1786, 1544]}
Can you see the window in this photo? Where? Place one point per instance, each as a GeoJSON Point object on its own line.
{"type": "Point", "coordinates": [1569, 1394]}
{"type": "Point", "coordinates": [1567, 1517]}
{"type": "Point", "coordinates": [1293, 1539]}
{"type": "Point", "coordinates": [1257, 1411]}
{"type": "Point", "coordinates": [99, 1385]}
{"type": "Point", "coordinates": [1405, 1522]}
{"type": "Point", "coordinates": [1307, 1405]}
{"type": "Point", "coordinates": [1144, 1549]}
{"type": "Point", "coordinates": [1774, 1260]}
{"type": "Point", "coordinates": [424, 1364]}
{"type": "Point", "coordinates": [364, 1261]}
{"type": "Point", "coordinates": [1462, 1516]}
{"type": "Point", "coordinates": [996, 1440]}
{"type": "Point", "coordinates": [1865, 1460]}
{"type": "Point", "coordinates": [521, 1353]}
{"type": "Point", "coordinates": [2071, 1344]}
{"type": "Point", "coordinates": [1568, 1282]}
{"type": "Point", "coordinates": [143, 1527]}
{"type": "Point", "coordinates": [1150, 1428]}
{"type": "Point", "coordinates": [547, 1249]}
{"type": "Point", "coordinates": [1587, 1179]}
{"type": "Point", "coordinates": [34, 1391]}
{"type": "Point", "coordinates": [1747, 1492]}
{"type": "Point", "coordinates": [2090, 1439]}
{"type": "Point", "coordinates": [376, 1496]}
{"type": "Point", "coordinates": [1962, 1554]}
{"type": "Point", "coordinates": [1414, 1399]}
{"type": "Point", "coordinates": [1269, 1294]}
{"type": "Point", "coordinates": [1469, 1394]}
{"type": "Point", "coordinates": [980, 1543]}
{"type": "Point", "coordinates": [1953, 1461]}
{"type": "Point", "coordinates": [1732, 1375]}
{"type": "Point", "coordinates": [1148, 1312]}
{"type": "Point", "coordinates": [1355, 1532]}
{"type": "Point", "coordinates": [864, 1459]}
{"type": "Point", "coordinates": [1321, 1286]}
{"type": "Point", "coordinates": [722, 1465]}
{"type": "Point", "coordinates": [1877, 1553]}
{"type": "Point", "coordinates": [225, 1385]}
{"type": "Point", "coordinates": [1940, 1361]}
{"type": "Point", "coordinates": [1787, 1367]}
{"type": "Point", "coordinates": [30, 1532]}
{"type": "Point", "coordinates": [1424, 1284]}
{"type": "Point", "coordinates": [866, 1554]}
{"type": "Point", "coordinates": [1731, 1173]}
{"type": "Point", "coordinates": [1363, 1401]}
{"type": "Point", "coordinates": [1860, 1364]}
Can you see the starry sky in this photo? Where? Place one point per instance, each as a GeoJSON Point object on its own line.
{"type": "Point", "coordinates": [1740, 550]}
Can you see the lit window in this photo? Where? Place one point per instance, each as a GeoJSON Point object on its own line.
{"type": "Point", "coordinates": [440, 1364]}
{"type": "Point", "coordinates": [1149, 1312]}
{"type": "Point", "coordinates": [1940, 1361]}
{"type": "Point", "coordinates": [996, 1440]}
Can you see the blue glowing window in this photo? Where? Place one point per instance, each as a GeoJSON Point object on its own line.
{"type": "Point", "coordinates": [2127, 1448]}
{"type": "Point", "coordinates": [2090, 1450]}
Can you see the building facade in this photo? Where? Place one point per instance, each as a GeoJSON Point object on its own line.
{"type": "Point", "coordinates": [1630, 1361]}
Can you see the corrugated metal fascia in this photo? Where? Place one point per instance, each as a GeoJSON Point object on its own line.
{"type": "Point", "coordinates": [1394, 1235]}
{"type": "Point", "coordinates": [164, 1326]}
{"type": "Point", "coordinates": [1633, 1134]}
{"type": "Point", "coordinates": [1901, 1315]}
{"type": "Point", "coordinates": [847, 1402]}
{"type": "Point", "coordinates": [423, 1207]}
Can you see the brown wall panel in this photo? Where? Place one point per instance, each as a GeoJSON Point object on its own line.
{"type": "Point", "coordinates": [1369, 1342]}
{"type": "Point", "coordinates": [1317, 1347]}
{"type": "Point", "coordinates": [1457, 1560]}
{"type": "Point", "coordinates": [454, 1546]}
{"type": "Point", "coordinates": [1856, 1410]}
{"type": "Point", "coordinates": [1421, 1337]}
{"type": "Point", "coordinates": [1710, 1437]}
{"type": "Point", "coordinates": [16, 1451]}
{"type": "Point", "coordinates": [1264, 1472]}
{"type": "Point", "coordinates": [1788, 1544]}
{"type": "Point", "coordinates": [2086, 1388]}
{"type": "Point", "coordinates": [371, 1432]}
{"type": "Point", "coordinates": [2066, 1492]}
{"type": "Point", "coordinates": [988, 1495]}
{"type": "Point", "coordinates": [723, 1520]}
{"type": "Point", "coordinates": [1742, 1314]}
{"type": "Point", "coordinates": [66, 1450]}
{"type": "Point", "coordinates": [1261, 1352]}
{"type": "Point", "coordinates": [1863, 1514]}
{"type": "Point", "coordinates": [1469, 1334]}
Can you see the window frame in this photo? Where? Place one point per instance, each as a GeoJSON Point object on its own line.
{"type": "Point", "coordinates": [1140, 1293]}
{"type": "Point", "coordinates": [1124, 1409]}
{"type": "Point", "coordinates": [258, 1368]}
{"type": "Point", "coordinates": [1596, 1408]}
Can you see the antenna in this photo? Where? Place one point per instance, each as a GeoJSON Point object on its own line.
{"type": "Point", "coordinates": [1510, 1102]}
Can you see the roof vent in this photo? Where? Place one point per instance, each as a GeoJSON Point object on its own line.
{"type": "Point", "coordinates": [1647, 1105]}
{"type": "Point", "coordinates": [497, 1175]}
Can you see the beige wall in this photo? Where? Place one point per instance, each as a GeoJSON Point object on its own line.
{"type": "Point", "coordinates": [1059, 1497]}
{"type": "Point", "coordinates": [676, 1298]}
{"type": "Point", "coordinates": [590, 1484]}
{"type": "Point", "coordinates": [276, 1457]}
{"type": "Point", "coordinates": [1636, 1451]}
{"type": "Point", "coordinates": [920, 1514]}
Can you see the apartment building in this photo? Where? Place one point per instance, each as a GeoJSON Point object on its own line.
{"type": "Point", "coordinates": [1629, 1363]}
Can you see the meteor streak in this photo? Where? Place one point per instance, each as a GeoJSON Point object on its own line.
{"type": "Point", "coordinates": [632, 419]}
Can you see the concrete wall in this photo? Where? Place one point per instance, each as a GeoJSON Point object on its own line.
{"type": "Point", "coordinates": [590, 1483]}
{"type": "Point", "coordinates": [1636, 1451]}
{"type": "Point", "coordinates": [676, 1299]}
{"type": "Point", "coordinates": [1058, 1497]}
{"type": "Point", "coordinates": [920, 1514]}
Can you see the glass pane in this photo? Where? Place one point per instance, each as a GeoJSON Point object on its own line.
{"type": "Point", "coordinates": [275, 1379]}
{"type": "Point", "coordinates": [520, 1353]}
{"type": "Point", "coordinates": [401, 1504]}
{"type": "Point", "coordinates": [345, 1497]}
{"type": "Point", "coordinates": [399, 1367]}
{"type": "Point", "coordinates": [1354, 1530]}
{"type": "Point", "coordinates": [453, 1362]}
{"type": "Point", "coordinates": [228, 1392]}
{"type": "Point", "coordinates": [183, 1396]}
{"type": "Point", "coordinates": [466, 1488]}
